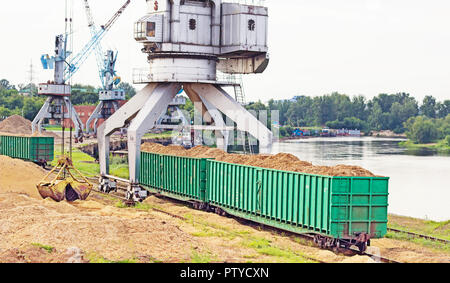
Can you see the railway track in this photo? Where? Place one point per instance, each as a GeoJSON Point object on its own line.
{"type": "Point", "coordinates": [120, 194]}
{"type": "Point", "coordinates": [416, 235]}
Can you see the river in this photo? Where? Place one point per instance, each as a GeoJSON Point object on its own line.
{"type": "Point", "coordinates": [419, 180]}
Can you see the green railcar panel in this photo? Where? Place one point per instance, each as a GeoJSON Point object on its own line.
{"type": "Point", "coordinates": [358, 205]}
{"type": "Point", "coordinates": [282, 197]}
{"type": "Point", "coordinates": [181, 176]}
{"type": "Point", "coordinates": [35, 149]}
{"type": "Point", "coordinates": [335, 206]}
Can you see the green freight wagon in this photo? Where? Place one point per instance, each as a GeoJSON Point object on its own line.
{"type": "Point", "coordinates": [340, 211]}
{"type": "Point", "coordinates": [39, 150]}
{"type": "Point", "coordinates": [182, 178]}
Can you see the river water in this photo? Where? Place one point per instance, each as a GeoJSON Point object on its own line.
{"type": "Point", "coordinates": [420, 180]}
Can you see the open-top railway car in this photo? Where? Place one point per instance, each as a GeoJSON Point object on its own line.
{"type": "Point", "coordinates": [338, 211]}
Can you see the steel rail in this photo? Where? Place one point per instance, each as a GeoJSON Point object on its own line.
{"type": "Point", "coordinates": [431, 238]}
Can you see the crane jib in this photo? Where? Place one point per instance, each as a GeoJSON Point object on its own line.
{"type": "Point", "coordinates": [78, 60]}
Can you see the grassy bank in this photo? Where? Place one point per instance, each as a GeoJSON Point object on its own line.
{"type": "Point", "coordinates": [419, 226]}
{"type": "Point", "coordinates": [440, 146]}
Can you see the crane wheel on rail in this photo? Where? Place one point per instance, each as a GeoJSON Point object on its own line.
{"type": "Point", "coordinates": [69, 184]}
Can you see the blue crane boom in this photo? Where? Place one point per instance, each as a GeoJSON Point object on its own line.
{"type": "Point", "coordinates": [98, 48]}
{"type": "Point", "coordinates": [105, 61]}
{"type": "Point", "coordinates": [78, 60]}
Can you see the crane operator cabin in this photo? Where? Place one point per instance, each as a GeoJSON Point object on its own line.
{"type": "Point", "coordinates": [190, 40]}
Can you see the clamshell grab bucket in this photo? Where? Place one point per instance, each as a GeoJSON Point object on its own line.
{"type": "Point", "coordinates": [61, 187]}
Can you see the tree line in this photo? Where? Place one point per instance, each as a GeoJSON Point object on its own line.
{"type": "Point", "coordinates": [400, 113]}
{"type": "Point", "coordinates": [423, 122]}
{"type": "Point", "coordinates": [23, 99]}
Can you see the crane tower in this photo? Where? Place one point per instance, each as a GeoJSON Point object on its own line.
{"type": "Point", "coordinates": [65, 65]}
{"type": "Point", "coordinates": [109, 95]}
{"type": "Point", "coordinates": [187, 43]}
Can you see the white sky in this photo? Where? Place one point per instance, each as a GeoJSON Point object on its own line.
{"type": "Point", "coordinates": [316, 46]}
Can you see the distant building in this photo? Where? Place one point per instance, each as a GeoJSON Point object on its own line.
{"type": "Point", "coordinates": [348, 133]}
{"type": "Point", "coordinates": [84, 112]}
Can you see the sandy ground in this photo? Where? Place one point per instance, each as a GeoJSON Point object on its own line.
{"type": "Point", "coordinates": [36, 230]}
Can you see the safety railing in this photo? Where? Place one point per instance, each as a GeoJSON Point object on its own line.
{"type": "Point", "coordinates": [246, 2]}
{"type": "Point", "coordinates": [143, 75]}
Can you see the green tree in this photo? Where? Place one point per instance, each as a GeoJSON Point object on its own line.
{"type": "Point", "coordinates": [84, 95]}
{"type": "Point", "coordinates": [31, 107]}
{"type": "Point", "coordinates": [359, 107]}
{"type": "Point", "coordinates": [376, 117]}
{"type": "Point", "coordinates": [4, 84]}
{"type": "Point", "coordinates": [443, 109]}
{"type": "Point", "coordinates": [130, 91]}
{"type": "Point", "coordinates": [400, 113]}
{"type": "Point", "coordinates": [299, 113]}
{"type": "Point", "coordinates": [421, 130]}
{"type": "Point", "coordinates": [428, 107]}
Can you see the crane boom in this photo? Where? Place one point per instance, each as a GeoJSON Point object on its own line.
{"type": "Point", "coordinates": [98, 48]}
{"type": "Point", "coordinates": [117, 15]}
{"type": "Point", "coordinates": [79, 59]}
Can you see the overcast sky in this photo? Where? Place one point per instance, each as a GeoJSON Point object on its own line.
{"type": "Point", "coordinates": [316, 46]}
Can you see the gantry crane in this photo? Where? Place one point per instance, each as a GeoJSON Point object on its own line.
{"type": "Point", "coordinates": [186, 43]}
{"type": "Point", "coordinates": [109, 96]}
{"type": "Point", "coordinates": [59, 91]}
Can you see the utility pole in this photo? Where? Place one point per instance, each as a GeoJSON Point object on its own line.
{"type": "Point", "coordinates": [31, 77]}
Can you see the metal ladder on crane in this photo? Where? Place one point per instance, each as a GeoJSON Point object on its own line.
{"type": "Point", "coordinates": [239, 91]}
{"type": "Point", "coordinates": [240, 98]}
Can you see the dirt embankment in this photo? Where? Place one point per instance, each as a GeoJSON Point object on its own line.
{"type": "Point", "coordinates": [281, 161]}
{"type": "Point", "coordinates": [18, 126]}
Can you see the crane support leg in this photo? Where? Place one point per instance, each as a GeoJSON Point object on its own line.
{"type": "Point", "coordinates": [146, 120]}
{"type": "Point", "coordinates": [141, 114]}
{"type": "Point", "coordinates": [222, 137]}
{"type": "Point", "coordinates": [120, 119]}
{"type": "Point", "coordinates": [36, 125]}
{"type": "Point", "coordinates": [220, 99]}
{"type": "Point", "coordinates": [73, 115]}
{"type": "Point", "coordinates": [94, 115]}
{"type": "Point", "coordinates": [52, 109]}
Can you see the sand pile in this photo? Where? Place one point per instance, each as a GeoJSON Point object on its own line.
{"type": "Point", "coordinates": [281, 161]}
{"type": "Point", "coordinates": [17, 176]}
{"type": "Point", "coordinates": [111, 233]}
{"type": "Point", "coordinates": [16, 125]}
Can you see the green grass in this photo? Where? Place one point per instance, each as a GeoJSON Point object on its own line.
{"type": "Point", "coordinates": [261, 246]}
{"type": "Point", "coordinates": [437, 246]}
{"type": "Point", "coordinates": [138, 206]}
{"type": "Point", "coordinates": [49, 249]}
{"type": "Point", "coordinates": [419, 226]}
{"type": "Point", "coordinates": [93, 257]}
{"type": "Point", "coordinates": [424, 227]}
{"type": "Point", "coordinates": [165, 135]}
{"type": "Point", "coordinates": [57, 128]}
{"type": "Point", "coordinates": [440, 146]}
{"type": "Point", "coordinates": [197, 257]}
{"type": "Point", "coordinates": [87, 165]}
{"type": "Point", "coordinates": [206, 233]}
{"type": "Point", "coordinates": [265, 247]}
